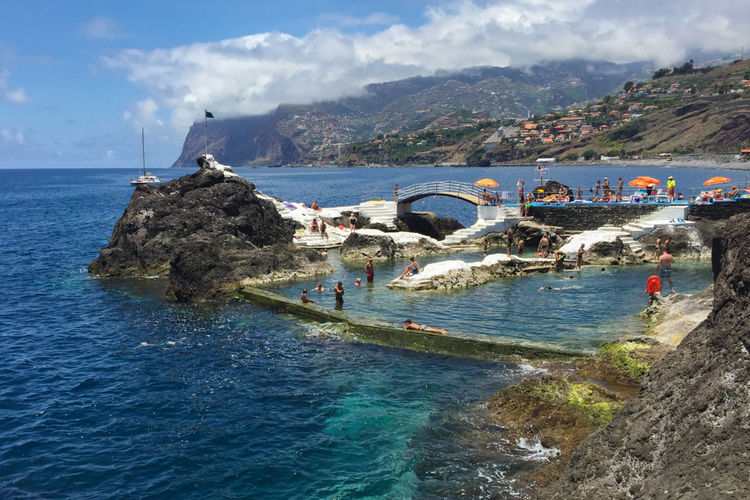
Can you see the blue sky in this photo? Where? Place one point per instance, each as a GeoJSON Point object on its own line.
{"type": "Point", "coordinates": [79, 79]}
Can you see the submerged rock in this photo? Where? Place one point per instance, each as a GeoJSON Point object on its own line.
{"type": "Point", "coordinates": [206, 231]}
{"type": "Point", "coordinates": [687, 434]}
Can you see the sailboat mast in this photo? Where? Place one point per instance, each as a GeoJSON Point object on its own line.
{"type": "Point", "coordinates": [143, 150]}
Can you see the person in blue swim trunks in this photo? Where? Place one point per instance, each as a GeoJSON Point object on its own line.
{"type": "Point", "coordinates": [664, 268]}
{"type": "Point", "coordinates": [411, 269]}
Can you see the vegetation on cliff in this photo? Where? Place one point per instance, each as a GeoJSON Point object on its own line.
{"type": "Point", "coordinates": [680, 111]}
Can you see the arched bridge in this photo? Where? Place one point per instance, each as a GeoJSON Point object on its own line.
{"type": "Point", "coordinates": [461, 190]}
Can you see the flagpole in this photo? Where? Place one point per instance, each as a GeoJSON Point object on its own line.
{"type": "Point", "coordinates": [205, 129]}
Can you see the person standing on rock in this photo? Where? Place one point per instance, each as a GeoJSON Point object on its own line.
{"type": "Point", "coordinates": [509, 238]}
{"type": "Point", "coordinates": [664, 268]}
{"type": "Point", "coordinates": [619, 190]}
{"type": "Point", "coordinates": [597, 188]}
{"type": "Point", "coordinates": [395, 193]}
{"type": "Point", "coordinates": [369, 270]}
{"type": "Point", "coordinates": [323, 231]}
{"type": "Point", "coordinates": [579, 194]}
{"type": "Point", "coordinates": [352, 222]}
{"type": "Point", "coordinates": [338, 292]}
{"type": "Point", "coordinates": [579, 256]}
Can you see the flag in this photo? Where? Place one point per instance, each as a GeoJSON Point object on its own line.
{"type": "Point", "coordinates": [209, 114]}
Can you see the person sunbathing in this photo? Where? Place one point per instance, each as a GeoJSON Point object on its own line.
{"type": "Point", "coordinates": [409, 325]}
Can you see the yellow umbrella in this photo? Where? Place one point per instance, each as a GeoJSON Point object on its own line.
{"type": "Point", "coordinates": [486, 183]}
{"type": "Point", "coordinates": [716, 180]}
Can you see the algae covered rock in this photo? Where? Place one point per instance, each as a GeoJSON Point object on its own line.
{"type": "Point", "coordinates": [557, 411]}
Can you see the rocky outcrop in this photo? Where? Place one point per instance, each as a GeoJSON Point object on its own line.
{"type": "Point", "coordinates": [564, 403]}
{"type": "Point", "coordinates": [672, 317]}
{"type": "Point", "coordinates": [359, 245]}
{"type": "Point", "coordinates": [687, 434]}
{"type": "Point", "coordinates": [531, 232]}
{"type": "Point", "coordinates": [686, 242]}
{"type": "Point", "coordinates": [377, 244]}
{"type": "Point", "coordinates": [459, 274]}
{"type": "Point", "coordinates": [428, 224]}
{"type": "Point", "coordinates": [206, 231]}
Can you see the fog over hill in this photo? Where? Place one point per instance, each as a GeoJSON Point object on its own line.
{"type": "Point", "coordinates": [292, 131]}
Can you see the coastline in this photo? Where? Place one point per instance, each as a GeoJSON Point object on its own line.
{"type": "Point", "coordinates": [712, 161]}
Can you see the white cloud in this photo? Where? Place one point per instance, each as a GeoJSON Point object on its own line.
{"type": "Point", "coordinates": [374, 19]}
{"type": "Point", "coordinates": [9, 136]}
{"type": "Point", "coordinates": [11, 94]}
{"type": "Point", "coordinates": [102, 28]}
{"type": "Point", "coordinates": [255, 73]}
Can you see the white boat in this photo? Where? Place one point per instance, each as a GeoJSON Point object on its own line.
{"type": "Point", "coordinates": [146, 178]}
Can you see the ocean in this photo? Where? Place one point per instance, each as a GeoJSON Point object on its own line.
{"type": "Point", "coordinates": [109, 391]}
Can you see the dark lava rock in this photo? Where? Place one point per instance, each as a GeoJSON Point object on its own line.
{"type": "Point", "coordinates": [361, 246]}
{"type": "Point", "coordinates": [362, 220]}
{"type": "Point", "coordinates": [687, 434]}
{"type": "Point", "coordinates": [377, 225]}
{"type": "Point", "coordinates": [686, 242]}
{"type": "Point", "coordinates": [428, 224]}
{"type": "Point", "coordinates": [531, 232]}
{"type": "Point", "coordinates": [197, 229]}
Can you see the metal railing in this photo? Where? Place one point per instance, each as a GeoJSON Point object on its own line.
{"type": "Point", "coordinates": [441, 187]}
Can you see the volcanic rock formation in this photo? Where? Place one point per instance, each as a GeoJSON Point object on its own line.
{"type": "Point", "coordinates": [687, 434]}
{"type": "Point", "coordinates": [207, 231]}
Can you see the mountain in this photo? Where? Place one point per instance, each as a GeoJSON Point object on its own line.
{"type": "Point", "coordinates": [315, 133]}
{"type": "Point", "coordinates": [698, 111]}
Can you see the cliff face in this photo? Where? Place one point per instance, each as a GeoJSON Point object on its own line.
{"type": "Point", "coordinates": [312, 133]}
{"type": "Point", "coordinates": [206, 232]}
{"type": "Point", "coordinates": [687, 434]}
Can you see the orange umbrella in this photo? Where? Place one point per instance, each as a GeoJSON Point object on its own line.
{"type": "Point", "coordinates": [487, 183]}
{"type": "Point", "coordinates": [716, 180]}
{"type": "Point", "coordinates": [649, 180]}
{"type": "Point", "coordinates": [639, 183]}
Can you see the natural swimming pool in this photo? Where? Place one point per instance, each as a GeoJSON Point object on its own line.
{"type": "Point", "coordinates": [597, 308]}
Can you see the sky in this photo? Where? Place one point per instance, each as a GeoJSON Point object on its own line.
{"type": "Point", "coordinates": [79, 79]}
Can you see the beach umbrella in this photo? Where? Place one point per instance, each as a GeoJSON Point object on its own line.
{"type": "Point", "coordinates": [639, 183]}
{"type": "Point", "coordinates": [486, 183]}
{"type": "Point", "coordinates": [716, 180]}
{"type": "Point", "coordinates": [649, 180]}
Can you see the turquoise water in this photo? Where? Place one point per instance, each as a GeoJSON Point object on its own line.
{"type": "Point", "coordinates": [108, 391]}
{"type": "Point", "coordinates": [598, 308]}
